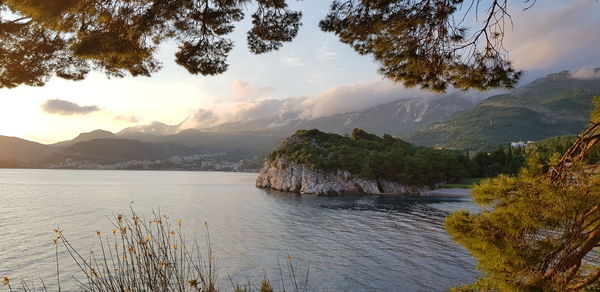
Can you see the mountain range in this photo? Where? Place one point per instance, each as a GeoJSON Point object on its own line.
{"type": "Point", "coordinates": [557, 104]}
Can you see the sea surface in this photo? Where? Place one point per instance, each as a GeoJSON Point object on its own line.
{"type": "Point", "coordinates": [342, 243]}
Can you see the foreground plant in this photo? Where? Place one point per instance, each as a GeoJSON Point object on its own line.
{"type": "Point", "coordinates": [152, 255]}
{"type": "Point", "coordinates": [539, 230]}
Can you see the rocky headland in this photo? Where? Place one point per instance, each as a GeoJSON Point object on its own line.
{"type": "Point", "coordinates": [285, 176]}
{"type": "Point", "coordinates": [313, 162]}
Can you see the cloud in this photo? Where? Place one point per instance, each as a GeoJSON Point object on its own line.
{"type": "Point", "coordinates": [293, 60]}
{"type": "Point", "coordinates": [325, 54]}
{"type": "Point", "coordinates": [127, 119]}
{"type": "Point", "coordinates": [585, 73]}
{"type": "Point", "coordinates": [154, 128]}
{"type": "Point", "coordinates": [67, 108]}
{"type": "Point", "coordinates": [356, 97]}
{"type": "Point", "coordinates": [242, 90]}
{"type": "Point", "coordinates": [275, 112]}
{"type": "Point", "coordinates": [550, 35]}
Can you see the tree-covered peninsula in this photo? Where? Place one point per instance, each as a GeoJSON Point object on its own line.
{"type": "Point", "coordinates": [364, 156]}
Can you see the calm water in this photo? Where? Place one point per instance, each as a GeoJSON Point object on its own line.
{"type": "Point", "coordinates": [351, 244]}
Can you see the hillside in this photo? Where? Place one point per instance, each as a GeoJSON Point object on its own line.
{"type": "Point", "coordinates": [396, 118]}
{"type": "Point", "coordinates": [369, 156]}
{"type": "Point", "coordinates": [97, 134]}
{"type": "Point", "coordinates": [555, 105]}
{"type": "Point", "coordinates": [19, 150]}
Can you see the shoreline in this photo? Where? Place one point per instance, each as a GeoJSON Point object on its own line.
{"type": "Point", "coordinates": [448, 193]}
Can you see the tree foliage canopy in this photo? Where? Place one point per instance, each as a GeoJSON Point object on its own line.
{"type": "Point", "coordinates": [539, 230]}
{"type": "Point", "coordinates": [369, 156]}
{"type": "Point", "coordinates": [419, 43]}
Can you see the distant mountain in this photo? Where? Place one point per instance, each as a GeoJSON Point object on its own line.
{"type": "Point", "coordinates": [235, 141]}
{"type": "Point", "coordinates": [555, 105]}
{"type": "Point", "coordinates": [154, 128]}
{"type": "Point", "coordinates": [397, 118]}
{"type": "Point", "coordinates": [97, 134]}
{"type": "Point", "coordinates": [112, 150]}
{"type": "Point", "coordinates": [19, 150]}
{"type": "Point", "coordinates": [238, 145]}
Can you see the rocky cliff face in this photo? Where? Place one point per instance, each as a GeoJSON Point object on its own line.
{"type": "Point", "coordinates": [291, 177]}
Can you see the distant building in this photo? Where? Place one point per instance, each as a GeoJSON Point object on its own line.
{"type": "Point", "coordinates": [519, 144]}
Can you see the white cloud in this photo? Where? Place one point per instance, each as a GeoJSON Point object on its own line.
{"type": "Point", "coordinates": [585, 73]}
{"type": "Point", "coordinates": [293, 60]}
{"type": "Point", "coordinates": [243, 90]}
{"type": "Point", "coordinates": [325, 54]}
{"type": "Point", "coordinates": [276, 112]}
{"type": "Point", "coordinates": [550, 35]}
{"type": "Point", "coordinates": [356, 97]}
{"type": "Point", "coordinates": [127, 119]}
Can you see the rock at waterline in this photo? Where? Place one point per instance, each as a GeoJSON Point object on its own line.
{"type": "Point", "coordinates": [280, 175]}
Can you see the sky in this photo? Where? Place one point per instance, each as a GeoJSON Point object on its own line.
{"type": "Point", "coordinates": [313, 76]}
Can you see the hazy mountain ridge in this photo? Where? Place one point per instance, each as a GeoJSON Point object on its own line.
{"type": "Point", "coordinates": [397, 118]}
{"type": "Point", "coordinates": [555, 105]}
{"type": "Point", "coordinates": [97, 134]}
{"type": "Point", "coordinates": [14, 149]}
{"type": "Point", "coordinates": [245, 140]}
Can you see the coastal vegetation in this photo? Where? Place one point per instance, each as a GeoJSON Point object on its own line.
{"type": "Point", "coordinates": [68, 39]}
{"type": "Point", "coordinates": [369, 156]}
{"type": "Point", "coordinates": [540, 229]}
{"type": "Point", "coordinates": [150, 255]}
{"type": "Point", "coordinates": [555, 105]}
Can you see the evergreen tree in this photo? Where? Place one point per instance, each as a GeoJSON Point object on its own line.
{"type": "Point", "coordinates": [417, 43]}
{"type": "Point", "coordinates": [539, 230]}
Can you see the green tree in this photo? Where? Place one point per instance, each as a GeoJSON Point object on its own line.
{"type": "Point", "coordinates": [539, 230]}
{"type": "Point", "coordinates": [414, 42]}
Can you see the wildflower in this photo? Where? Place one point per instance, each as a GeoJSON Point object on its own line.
{"type": "Point", "coordinates": [205, 224]}
{"type": "Point", "coordinates": [5, 281]}
{"type": "Point", "coordinates": [124, 230]}
{"type": "Point", "coordinates": [120, 218]}
{"type": "Point", "coordinates": [114, 231]}
{"type": "Point", "coordinates": [148, 238]}
{"type": "Point", "coordinates": [173, 232]}
{"type": "Point", "coordinates": [98, 233]}
{"type": "Point", "coordinates": [193, 283]}
{"type": "Point", "coordinates": [179, 221]}
{"type": "Point", "coordinates": [174, 246]}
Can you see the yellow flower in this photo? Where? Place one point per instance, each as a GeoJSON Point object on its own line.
{"type": "Point", "coordinates": [148, 238]}
{"type": "Point", "coordinates": [114, 231]}
{"type": "Point", "coordinates": [174, 246]}
{"type": "Point", "coordinates": [179, 221]}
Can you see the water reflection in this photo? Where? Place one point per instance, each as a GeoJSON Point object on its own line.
{"type": "Point", "coordinates": [374, 243]}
